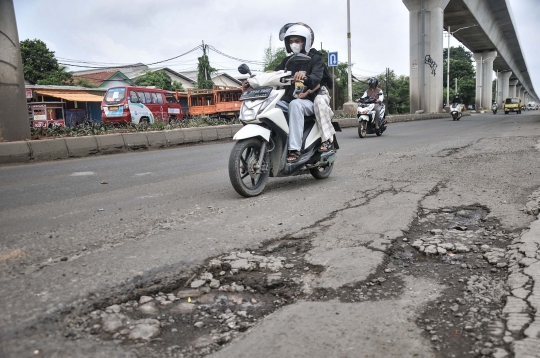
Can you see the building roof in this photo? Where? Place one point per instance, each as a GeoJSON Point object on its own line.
{"type": "Point", "coordinates": [75, 96]}
{"type": "Point", "coordinates": [98, 78]}
{"type": "Point", "coordinates": [193, 75]}
{"type": "Point", "coordinates": [65, 88]}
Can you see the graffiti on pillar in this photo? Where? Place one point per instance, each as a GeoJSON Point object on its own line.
{"type": "Point", "coordinates": [429, 61]}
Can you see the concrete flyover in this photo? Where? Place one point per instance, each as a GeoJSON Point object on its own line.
{"type": "Point", "coordinates": [491, 36]}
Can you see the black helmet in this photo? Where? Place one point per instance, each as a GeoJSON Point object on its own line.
{"type": "Point", "coordinates": [373, 82]}
{"type": "Point", "coordinates": [457, 95]}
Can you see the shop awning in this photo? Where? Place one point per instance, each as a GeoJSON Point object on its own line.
{"type": "Point", "coordinates": [76, 96]}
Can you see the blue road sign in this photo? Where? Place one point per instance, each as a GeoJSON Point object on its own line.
{"type": "Point", "coordinates": [332, 59]}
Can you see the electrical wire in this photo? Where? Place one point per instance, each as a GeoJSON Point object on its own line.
{"type": "Point", "coordinates": [135, 65]}
{"type": "Point", "coordinates": [232, 57]}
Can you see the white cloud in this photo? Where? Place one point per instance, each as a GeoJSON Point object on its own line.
{"type": "Point", "coordinates": [148, 31]}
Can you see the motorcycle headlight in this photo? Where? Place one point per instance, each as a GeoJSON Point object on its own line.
{"type": "Point", "coordinates": [249, 110]}
{"type": "Point", "coordinates": [266, 103]}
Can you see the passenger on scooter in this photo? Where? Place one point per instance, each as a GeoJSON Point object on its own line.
{"type": "Point", "coordinates": [298, 39]}
{"type": "Point", "coordinates": [376, 93]}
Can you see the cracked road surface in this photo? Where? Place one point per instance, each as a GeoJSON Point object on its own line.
{"type": "Point", "coordinates": [72, 246]}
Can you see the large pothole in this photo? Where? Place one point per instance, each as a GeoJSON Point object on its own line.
{"type": "Point", "coordinates": [466, 251]}
{"type": "Point", "coordinates": [460, 247]}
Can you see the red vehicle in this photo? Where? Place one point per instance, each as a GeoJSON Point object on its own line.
{"type": "Point", "coordinates": [130, 104]}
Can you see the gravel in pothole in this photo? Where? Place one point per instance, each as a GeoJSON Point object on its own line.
{"type": "Point", "coordinates": [459, 247]}
{"type": "Point", "coordinates": [228, 296]}
{"type": "Point", "coordinates": [465, 251]}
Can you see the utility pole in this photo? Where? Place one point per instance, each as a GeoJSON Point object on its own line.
{"type": "Point", "coordinates": [349, 46]}
{"type": "Point", "coordinates": [387, 90]}
{"type": "Point", "coordinates": [423, 47]}
{"type": "Point", "coordinates": [333, 89]}
{"type": "Point", "coordinates": [448, 70]}
{"type": "Point", "coordinates": [14, 123]}
{"type": "Point", "coordinates": [350, 107]}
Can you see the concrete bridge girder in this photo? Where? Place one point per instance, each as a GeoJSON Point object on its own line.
{"type": "Point", "coordinates": [495, 30]}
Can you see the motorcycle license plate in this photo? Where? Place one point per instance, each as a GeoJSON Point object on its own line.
{"type": "Point", "coordinates": [256, 93]}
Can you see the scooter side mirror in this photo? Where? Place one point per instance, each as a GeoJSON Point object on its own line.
{"type": "Point", "coordinates": [244, 69]}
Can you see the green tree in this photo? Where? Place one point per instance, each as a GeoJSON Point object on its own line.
{"type": "Point", "coordinates": [40, 64]}
{"type": "Point", "coordinates": [273, 56]}
{"type": "Point", "coordinates": [159, 79]}
{"type": "Point", "coordinates": [204, 76]}
{"type": "Point", "coordinates": [462, 69]}
{"type": "Point", "coordinates": [84, 82]}
{"type": "Point", "coordinates": [58, 77]}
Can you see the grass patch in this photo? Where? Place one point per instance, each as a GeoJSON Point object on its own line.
{"type": "Point", "coordinates": [94, 128]}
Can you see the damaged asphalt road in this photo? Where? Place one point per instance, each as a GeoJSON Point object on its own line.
{"type": "Point", "coordinates": [417, 245]}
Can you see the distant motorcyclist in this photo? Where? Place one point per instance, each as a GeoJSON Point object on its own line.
{"type": "Point", "coordinates": [457, 99]}
{"type": "Point", "coordinates": [376, 93]}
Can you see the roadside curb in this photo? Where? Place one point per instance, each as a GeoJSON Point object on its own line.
{"type": "Point", "coordinates": [70, 147]}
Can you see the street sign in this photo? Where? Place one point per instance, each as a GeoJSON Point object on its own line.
{"type": "Point", "coordinates": [332, 59]}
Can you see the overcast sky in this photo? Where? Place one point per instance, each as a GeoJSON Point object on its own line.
{"type": "Point", "coordinates": [149, 31]}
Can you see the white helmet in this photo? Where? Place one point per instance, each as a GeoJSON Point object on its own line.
{"type": "Point", "coordinates": [296, 29]}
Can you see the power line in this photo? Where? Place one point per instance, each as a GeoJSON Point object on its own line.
{"type": "Point", "coordinates": [135, 65]}
{"type": "Point", "coordinates": [234, 58]}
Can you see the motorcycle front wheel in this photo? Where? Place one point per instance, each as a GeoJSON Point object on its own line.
{"type": "Point", "coordinates": [242, 167]}
{"type": "Point", "coordinates": [362, 129]}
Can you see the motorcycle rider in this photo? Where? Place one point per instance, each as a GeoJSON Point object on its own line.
{"type": "Point", "coordinates": [457, 99]}
{"type": "Point", "coordinates": [298, 39]}
{"type": "Point", "coordinates": [376, 93]}
{"type": "Point", "coordinates": [321, 103]}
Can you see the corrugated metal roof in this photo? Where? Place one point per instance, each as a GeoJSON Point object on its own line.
{"type": "Point", "coordinates": [76, 96]}
{"type": "Point", "coordinates": [66, 88]}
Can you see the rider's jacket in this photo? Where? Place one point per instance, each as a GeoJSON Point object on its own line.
{"type": "Point", "coordinates": [376, 93]}
{"type": "Point", "coordinates": [314, 70]}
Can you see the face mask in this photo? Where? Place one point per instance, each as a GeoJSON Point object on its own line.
{"type": "Point", "coordinates": [296, 48]}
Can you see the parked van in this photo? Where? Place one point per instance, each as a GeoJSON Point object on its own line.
{"type": "Point", "coordinates": [130, 104]}
{"type": "Point", "coordinates": [512, 105]}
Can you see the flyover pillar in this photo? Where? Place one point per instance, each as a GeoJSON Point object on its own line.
{"type": "Point", "coordinates": [504, 87]}
{"type": "Point", "coordinates": [14, 124]}
{"type": "Point", "coordinates": [426, 54]}
{"type": "Point", "coordinates": [484, 78]}
{"type": "Point", "coordinates": [512, 91]}
{"type": "Point", "coordinates": [518, 91]}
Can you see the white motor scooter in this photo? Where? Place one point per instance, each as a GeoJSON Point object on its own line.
{"type": "Point", "coordinates": [494, 108]}
{"type": "Point", "coordinates": [366, 117]}
{"type": "Point", "coordinates": [455, 110]}
{"type": "Point", "coordinates": [261, 148]}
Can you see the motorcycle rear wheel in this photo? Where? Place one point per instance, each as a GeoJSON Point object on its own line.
{"type": "Point", "coordinates": [322, 172]}
{"type": "Point", "coordinates": [362, 131]}
{"type": "Point", "coordinates": [244, 155]}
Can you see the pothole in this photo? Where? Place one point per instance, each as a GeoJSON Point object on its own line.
{"type": "Point", "coordinates": [465, 251]}
{"type": "Point", "coordinates": [227, 296]}
{"type": "Point", "coordinates": [460, 247]}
